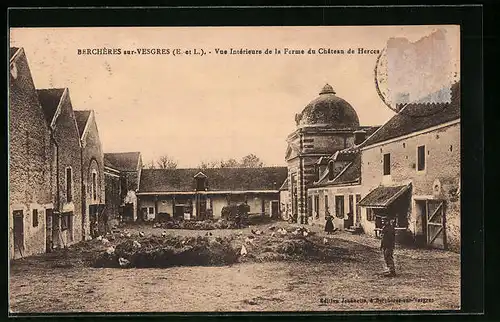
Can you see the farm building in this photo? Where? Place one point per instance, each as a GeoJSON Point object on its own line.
{"type": "Point", "coordinates": [326, 125]}
{"type": "Point", "coordinates": [93, 185]}
{"type": "Point", "coordinates": [65, 225]}
{"type": "Point", "coordinates": [199, 194]}
{"type": "Point", "coordinates": [411, 172]}
{"type": "Point", "coordinates": [128, 165]}
{"type": "Point", "coordinates": [30, 188]}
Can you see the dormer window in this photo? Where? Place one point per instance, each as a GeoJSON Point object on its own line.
{"type": "Point", "coordinates": [201, 181]}
{"type": "Point", "coordinates": [330, 171]}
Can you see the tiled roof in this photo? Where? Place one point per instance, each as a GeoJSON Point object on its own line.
{"type": "Point", "coordinates": [383, 196]}
{"type": "Point", "coordinates": [81, 120]}
{"type": "Point", "coordinates": [218, 179]}
{"type": "Point", "coordinates": [351, 173]}
{"type": "Point", "coordinates": [123, 161]}
{"type": "Point", "coordinates": [418, 116]}
{"type": "Point", "coordinates": [49, 99]}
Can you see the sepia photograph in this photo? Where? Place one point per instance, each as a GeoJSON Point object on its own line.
{"type": "Point", "coordinates": [234, 169]}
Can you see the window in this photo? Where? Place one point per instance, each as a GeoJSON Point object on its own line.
{"type": "Point", "coordinates": [94, 185]}
{"type": "Point", "coordinates": [330, 171]}
{"type": "Point", "coordinates": [309, 206]}
{"type": "Point", "coordinates": [200, 184]}
{"type": "Point", "coordinates": [35, 218]}
{"type": "Point", "coordinates": [69, 184]}
{"type": "Point", "coordinates": [151, 210]}
{"type": "Point", "coordinates": [339, 206]}
{"type": "Point", "coordinates": [370, 216]}
{"type": "Point", "coordinates": [65, 221]}
{"type": "Point", "coordinates": [387, 164]}
{"type": "Point", "coordinates": [327, 208]}
{"type": "Point", "coordinates": [316, 206]}
{"type": "Point", "coordinates": [421, 158]}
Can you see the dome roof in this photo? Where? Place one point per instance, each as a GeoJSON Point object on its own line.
{"type": "Point", "coordinates": [328, 110]}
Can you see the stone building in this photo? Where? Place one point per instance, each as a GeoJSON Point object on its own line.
{"type": "Point", "coordinates": [326, 125]}
{"type": "Point", "coordinates": [66, 222]}
{"type": "Point", "coordinates": [30, 198]}
{"type": "Point", "coordinates": [411, 172]}
{"type": "Point", "coordinates": [337, 190]}
{"type": "Point", "coordinates": [93, 184]}
{"type": "Point", "coordinates": [202, 193]}
{"type": "Point", "coordinates": [129, 165]}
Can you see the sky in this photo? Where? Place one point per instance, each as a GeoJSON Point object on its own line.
{"type": "Point", "coordinates": [212, 107]}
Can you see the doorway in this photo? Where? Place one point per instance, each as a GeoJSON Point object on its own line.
{"type": "Point", "coordinates": [18, 233]}
{"type": "Point", "coordinates": [430, 228]}
{"type": "Point", "coordinates": [275, 209]}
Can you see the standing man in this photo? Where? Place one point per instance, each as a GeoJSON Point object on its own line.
{"type": "Point", "coordinates": [387, 246]}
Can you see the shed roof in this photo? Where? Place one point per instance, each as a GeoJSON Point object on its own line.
{"type": "Point", "coordinates": [382, 197]}
{"type": "Point", "coordinates": [218, 179]}
{"type": "Point", "coordinates": [418, 116]}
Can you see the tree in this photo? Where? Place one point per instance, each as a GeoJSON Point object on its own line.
{"type": "Point", "coordinates": [251, 161]}
{"type": "Point", "coordinates": [150, 165]}
{"type": "Point", "coordinates": [229, 163]}
{"type": "Point", "coordinates": [209, 164]}
{"type": "Point", "coordinates": [165, 162]}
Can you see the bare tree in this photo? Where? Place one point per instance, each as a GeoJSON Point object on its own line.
{"type": "Point", "coordinates": [229, 163]}
{"type": "Point", "coordinates": [150, 165]}
{"type": "Point", "coordinates": [251, 161]}
{"type": "Point", "coordinates": [209, 164]}
{"type": "Point", "coordinates": [166, 162]}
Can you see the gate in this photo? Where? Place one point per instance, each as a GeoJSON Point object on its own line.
{"type": "Point", "coordinates": [436, 234]}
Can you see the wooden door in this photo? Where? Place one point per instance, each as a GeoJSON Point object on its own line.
{"type": "Point", "coordinates": [358, 210]}
{"type": "Point", "coordinates": [18, 233]}
{"type": "Point", "coordinates": [435, 221]}
{"type": "Point", "coordinates": [202, 208]}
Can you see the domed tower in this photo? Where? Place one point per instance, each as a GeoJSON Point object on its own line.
{"type": "Point", "coordinates": [325, 126]}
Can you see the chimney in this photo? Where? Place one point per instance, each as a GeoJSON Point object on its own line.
{"type": "Point", "coordinates": [359, 136]}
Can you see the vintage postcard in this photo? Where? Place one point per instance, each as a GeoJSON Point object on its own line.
{"type": "Point", "coordinates": [234, 169]}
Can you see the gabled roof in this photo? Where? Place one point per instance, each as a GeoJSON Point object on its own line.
{"type": "Point", "coordinates": [218, 179]}
{"type": "Point", "coordinates": [82, 118]}
{"type": "Point", "coordinates": [13, 51]}
{"type": "Point", "coordinates": [123, 161]}
{"type": "Point", "coordinates": [49, 100]}
{"type": "Point", "coordinates": [417, 117]}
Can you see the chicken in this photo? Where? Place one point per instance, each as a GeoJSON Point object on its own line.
{"type": "Point", "coordinates": [164, 234]}
{"type": "Point", "coordinates": [272, 228]}
{"type": "Point", "coordinates": [128, 235]}
{"type": "Point", "coordinates": [122, 235]}
{"type": "Point", "coordinates": [243, 251]}
{"type": "Point", "coordinates": [142, 234]}
{"type": "Point", "coordinates": [257, 232]}
{"type": "Point", "coordinates": [105, 240]}
{"type": "Point", "coordinates": [99, 238]}
{"type": "Point", "coordinates": [123, 262]}
{"type": "Point", "coordinates": [210, 234]}
{"type": "Point", "coordinates": [272, 234]}
{"type": "Point", "coordinates": [325, 240]}
{"type": "Point", "coordinates": [137, 244]}
{"type": "Point", "coordinates": [305, 233]}
{"type": "Point", "coordinates": [110, 250]}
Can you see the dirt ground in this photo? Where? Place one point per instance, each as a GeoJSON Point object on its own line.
{"type": "Point", "coordinates": [427, 280]}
